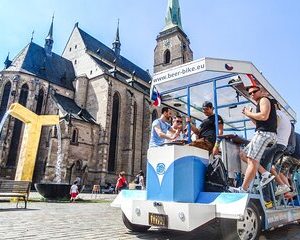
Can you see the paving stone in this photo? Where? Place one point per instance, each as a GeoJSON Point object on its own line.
{"type": "Point", "coordinates": [64, 221]}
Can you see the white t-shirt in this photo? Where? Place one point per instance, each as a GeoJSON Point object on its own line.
{"type": "Point", "coordinates": [74, 188]}
{"type": "Point", "coordinates": [284, 128]}
{"type": "Point", "coordinates": [141, 182]}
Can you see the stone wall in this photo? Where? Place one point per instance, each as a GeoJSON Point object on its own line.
{"type": "Point", "coordinates": [48, 107]}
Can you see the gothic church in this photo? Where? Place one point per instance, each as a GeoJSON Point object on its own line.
{"type": "Point", "coordinates": [102, 99]}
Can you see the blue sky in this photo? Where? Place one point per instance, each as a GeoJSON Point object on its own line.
{"type": "Point", "coordinates": [264, 32]}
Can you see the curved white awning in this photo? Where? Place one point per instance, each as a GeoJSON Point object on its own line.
{"type": "Point", "coordinates": [232, 77]}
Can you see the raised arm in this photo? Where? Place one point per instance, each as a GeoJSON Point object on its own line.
{"type": "Point", "coordinates": [193, 127]}
{"type": "Point", "coordinates": [265, 109]}
{"type": "Point", "coordinates": [161, 134]}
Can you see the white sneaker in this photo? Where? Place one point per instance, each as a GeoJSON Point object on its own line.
{"type": "Point", "coordinates": [236, 190]}
{"type": "Point", "coordinates": [282, 189]}
{"type": "Point", "coordinates": [266, 178]}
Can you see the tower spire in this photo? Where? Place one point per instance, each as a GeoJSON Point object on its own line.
{"type": "Point", "coordinates": [173, 16]}
{"type": "Point", "coordinates": [49, 39]}
{"type": "Point", "coordinates": [7, 62]}
{"type": "Point", "coordinates": [50, 33]}
{"type": "Point", "coordinates": [32, 36]}
{"type": "Point", "coordinates": [117, 44]}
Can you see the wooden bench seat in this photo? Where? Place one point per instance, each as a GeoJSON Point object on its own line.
{"type": "Point", "coordinates": [17, 189]}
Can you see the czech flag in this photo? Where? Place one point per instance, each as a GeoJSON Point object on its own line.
{"type": "Point", "coordinates": [156, 97]}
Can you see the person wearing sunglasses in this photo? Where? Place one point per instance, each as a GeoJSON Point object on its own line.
{"type": "Point", "coordinates": [177, 124]}
{"type": "Point", "coordinates": [265, 120]}
{"type": "Point", "coordinates": [207, 129]}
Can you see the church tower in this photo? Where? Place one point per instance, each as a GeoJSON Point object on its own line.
{"type": "Point", "coordinates": [173, 45]}
{"type": "Point", "coordinates": [49, 40]}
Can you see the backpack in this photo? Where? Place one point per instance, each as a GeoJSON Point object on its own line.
{"type": "Point", "coordinates": [216, 179]}
{"type": "Point", "coordinates": [137, 179]}
{"type": "Point", "coordinates": [296, 153]}
{"type": "Point", "coordinates": [290, 149]}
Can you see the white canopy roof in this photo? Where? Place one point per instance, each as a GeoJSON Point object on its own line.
{"type": "Point", "coordinates": [232, 77]}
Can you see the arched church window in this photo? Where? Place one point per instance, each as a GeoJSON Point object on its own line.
{"type": "Point", "coordinates": [78, 165]}
{"type": "Point", "coordinates": [15, 140]}
{"type": "Point", "coordinates": [114, 133]}
{"type": "Point", "coordinates": [74, 139]}
{"type": "Point", "coordinates": [40, 100]}
{"type": "Point", "coordinates": [154, 115]}
{"type": "Point", "coordinates": [167, 56]}
{"type": "Point", "coordinates": [5, 97]}
{"type": "Point", "coordinates": [24, 95]}
{"type": "Point", "coordinates": [55, 132]}
{"type": "Point", "coordinates": [45, 165]}
{"type": "Point", "coordinates": [133, 136]}
{"type": "Point", "coordinates": [49, 138]}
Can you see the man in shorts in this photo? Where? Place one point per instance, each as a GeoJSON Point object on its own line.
{"type": "Point", "coordinates": [273, 154]}
{"type": "Point", "coordinates": [265, 133]}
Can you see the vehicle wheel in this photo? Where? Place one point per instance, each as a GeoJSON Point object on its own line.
{"type": "Point", "coordinates": [248, 228]}
{"type": "Point", "coordinates": [134, 227]}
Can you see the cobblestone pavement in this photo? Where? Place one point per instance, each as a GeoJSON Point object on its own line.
{"type": "Point", "coordinates": [50, 220]}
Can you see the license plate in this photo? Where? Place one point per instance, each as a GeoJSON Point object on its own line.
{"type": "Point", "coordinates": [158, 220]}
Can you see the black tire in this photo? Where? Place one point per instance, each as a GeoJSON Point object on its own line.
{"type": "Point", "coordinates": [133, 227]}
{"type": "Point", "coordinates": [247, 229]}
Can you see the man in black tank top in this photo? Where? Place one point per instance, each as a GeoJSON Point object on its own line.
{"type": "Point", "coordinates": [265, 133]}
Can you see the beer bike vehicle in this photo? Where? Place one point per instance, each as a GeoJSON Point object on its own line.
{"type": "Point", "coordinates": [175, 197]}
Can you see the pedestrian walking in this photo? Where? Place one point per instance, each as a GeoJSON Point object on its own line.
{"type": "Point", "coordinates": [74, 192]}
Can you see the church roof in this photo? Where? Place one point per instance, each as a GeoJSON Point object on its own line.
{"type": "Point", "coordinates": [122, 77]}
{"type": "Point", "coordinates": [101, 63]}
{"type": "Point", "coordinates": [69, 106]}
{"type": "Point", "coordinates": [105, 52]}
{"type": "Point", "coordinates": [55, 69]}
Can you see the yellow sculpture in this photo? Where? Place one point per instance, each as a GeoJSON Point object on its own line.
{"type": "Point", "coordinates": [31, 137]}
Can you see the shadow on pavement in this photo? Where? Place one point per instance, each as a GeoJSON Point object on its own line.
{"type": "Point", "coordinates": [211, 232]}
{"type": "Point", "coordinates": [291, 231]}
{"type": "Point", "coordinates": [17, 209]}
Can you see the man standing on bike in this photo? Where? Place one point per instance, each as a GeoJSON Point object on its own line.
{"type": "Point", "coordinates": [265, 120]}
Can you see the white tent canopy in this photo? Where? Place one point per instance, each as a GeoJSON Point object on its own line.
{"type": "Point", "coordinates": [231, 78]}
